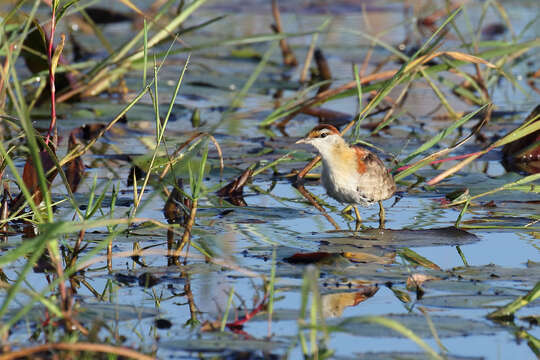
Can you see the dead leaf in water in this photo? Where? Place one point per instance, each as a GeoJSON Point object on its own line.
{"type": "Point", "coordinates": [177, 206]}
{"type": "Point", "coordinates": [417, 259]}
{"type": "Point", "coordinates": [234, 190]}
{"type": "Point", "coordinates": [310, 258]}
{"type": "Point", "coordinates": [416, 280]}
{"type": "Point", "coordinates": [334, 304]}
{"type": "Point", "coordinates": [401, 295]}
{"type": "Point", "coordinates": [225, 343]}
{"type": "Point", "coordinates": [74, 169]}
{"type": "Point", "coordinates": [31, 181]}
{"type": "Point", "coordinates": [364, 257]}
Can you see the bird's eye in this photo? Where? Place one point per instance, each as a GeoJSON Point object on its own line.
{"type": "Point", "coordinates": [323, 135]}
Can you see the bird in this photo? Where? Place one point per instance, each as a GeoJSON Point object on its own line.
{"type": "Point", "coordinates": [351, 174]}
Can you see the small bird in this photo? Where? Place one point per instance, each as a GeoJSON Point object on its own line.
{"type": "Point", "coordinates": [351, 174]}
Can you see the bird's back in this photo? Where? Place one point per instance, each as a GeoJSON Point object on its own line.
{"type": "Point", "coordinates": [376, 182]}
{"type": "Point", "coordinates": [354, 175]}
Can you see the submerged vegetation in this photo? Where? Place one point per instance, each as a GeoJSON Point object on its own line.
{"type": "Point", "coordinates": [154, 204]}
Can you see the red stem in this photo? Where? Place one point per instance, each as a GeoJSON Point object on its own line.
{"type": "Point", "coordinates": [58, 261]}
{"type": "Point", "coordinates": [240, 322]}
{"type": "Point", "coordinates": [51, 75]}
{"type": "Point", "coordinates": [458, 157]}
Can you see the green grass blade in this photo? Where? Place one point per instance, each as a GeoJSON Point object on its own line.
{"type": "Point", "coordinates": [510, 309]}
{"type": "Point", "coordinates": [440, 136]}
{"type": "Point", "coordinates": [396, 326]}
{"type": "Point", "coordinates": [227, 309]}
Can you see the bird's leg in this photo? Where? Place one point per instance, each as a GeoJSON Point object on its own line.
{"type": "Point", "coordinates": [358, 217]}
{"type": "Point", "coordinates": [346, 212]}
{"type": "Point", "coordinates": [381, 215]}
{"type": "Point", "coordinates": [347, 209]}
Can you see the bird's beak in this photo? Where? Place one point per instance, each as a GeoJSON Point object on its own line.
{"type": "Point", "coordinates": [301, 141]}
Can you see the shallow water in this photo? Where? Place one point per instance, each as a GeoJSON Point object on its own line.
{"type": "Point", "coordinates": [503, 263]}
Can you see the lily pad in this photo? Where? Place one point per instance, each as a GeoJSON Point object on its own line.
{"type": "Point", "coordinates": [120, 312]}
{"type": "Point", "coordinates": [471, 287]}
{"type": "Point", "coordinates": [397, 355]}
{"type": "Point", "coordinates": [394, 239]}
{"type": "Point", "coordinates": [447, 326]}
{"type": "Point", "coordinates": [96, 311]}
{"type": "Point", "coordinates": [497, 273]}
{"type": "Point", "coordinates": [465, 301]}
{"type": "Point", "coordinates": [222, 344]}
{"type": "Point", "coordinates": [241, 214]}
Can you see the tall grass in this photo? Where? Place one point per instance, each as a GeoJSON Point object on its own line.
{"type": "Point", "coordinates": [41, 153]}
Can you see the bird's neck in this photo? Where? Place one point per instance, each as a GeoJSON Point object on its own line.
{"type": "Point", "coordinates": [339, 154]}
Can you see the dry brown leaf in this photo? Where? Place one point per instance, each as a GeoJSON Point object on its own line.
{"type": "Point", "coordinates": [416, 280]}
{"type": "Point", "coordinates": [334, 304]}
{"type": "Point", "coordinates": [470, 58]}
{"type": "Point", "coordinates": [30, 176]}
{"type": "Point", "coordinates": [74, 169]}
{"type": "Point", "coordinates": [363, 257]}
{"type": "Point", "coordinates": [454, 54]}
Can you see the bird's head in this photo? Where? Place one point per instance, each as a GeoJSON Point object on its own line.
{"type": "Point", "coordinates": [323, 137]}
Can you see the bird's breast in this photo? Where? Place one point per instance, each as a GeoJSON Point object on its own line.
{"type": "Point", "coordinates": [349, 179]}
{"type": "Point", "coordinates": [341, 182]}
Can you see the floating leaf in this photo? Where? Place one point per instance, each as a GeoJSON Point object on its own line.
{"type": "Point", "coordinates": [415, 281]}
{"type": "Point", "coordinates": [447, 326]}
{"type": "Point", "coordinates": [397, 355]}
{"type": "Point", "coordinates": [221, 344]}
{"type": "Point", "coordinates": [401, 295]}
{"type": "Point", "coordinates": [509, 310]}
{"type": "Point", "coordinates": [333, 304]}
{"type": "Point", "coordinates": [121, 312]}
{"type": "Point", "coordinates": [365, 257]}
{"type": "Point", "coordinates": [469, 301]}
{"type": "Point", "coordinates": [393, 239]}
{"type": "Point", "coordinates": [415, 258]}
{"type": "Point", "coordinates": [310, 258]}
{"type": "Point", "coordinates": [494, 272]}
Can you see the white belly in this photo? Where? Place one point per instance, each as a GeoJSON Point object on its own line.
{"type": "Point", "coordinates": [343, 188]}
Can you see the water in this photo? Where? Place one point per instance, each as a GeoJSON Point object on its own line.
{"type": "Point", "coordinates": [278, 218]}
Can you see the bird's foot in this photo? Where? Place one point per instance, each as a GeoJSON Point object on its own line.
{"type": "Point", "coordinates": [381, 215]}
{"type": "Point", "coordinates": [347, 209]}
